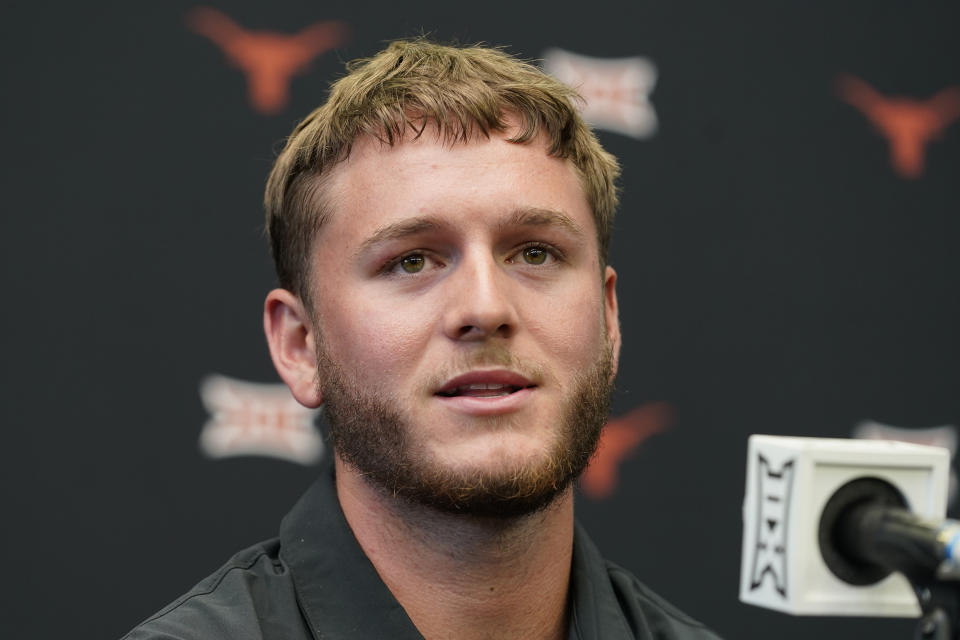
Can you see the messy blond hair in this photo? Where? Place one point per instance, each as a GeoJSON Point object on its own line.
{"type": "Point", "coordinates": [400, 91]}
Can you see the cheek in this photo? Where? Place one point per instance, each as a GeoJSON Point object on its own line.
{"type": "Point", "coordinates": [573, 332]}
{"type": "Point", "coordinates": [375, 341]}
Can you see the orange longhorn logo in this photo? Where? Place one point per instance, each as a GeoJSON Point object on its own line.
{"type": "Point", "coordinates": [907, 124]}
{"type": "Point", "coordinates": [268, 59]}
{"type": "Point", "coordinates": [619, 439]}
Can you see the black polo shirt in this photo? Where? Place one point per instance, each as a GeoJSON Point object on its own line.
{"type": "Point", "coordinates": [315, 583]}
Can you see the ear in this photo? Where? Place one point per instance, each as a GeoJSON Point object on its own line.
{"type": "Point", "coordinates": [612, 314]}
{"type": "Point", "coordinates": [292, 345]}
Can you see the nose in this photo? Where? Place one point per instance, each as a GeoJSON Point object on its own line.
{"type": "Point", "coordinates": [480, 304]}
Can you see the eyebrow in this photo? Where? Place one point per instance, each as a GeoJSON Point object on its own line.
{"type": "Point", "coordinates": [524, 217]}
{"type": "Point", "coordinates": [397, 230]}
{"type": "Point", "coordinates": [537, 217]}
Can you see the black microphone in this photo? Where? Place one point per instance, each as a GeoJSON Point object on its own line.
{"type": "Point", "coordinates": [866, 531]}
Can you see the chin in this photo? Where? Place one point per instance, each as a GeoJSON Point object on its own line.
{"type": "Point", "coordinates": [505, 482]}
{"type": "Point", "coordinates": [501, 453]}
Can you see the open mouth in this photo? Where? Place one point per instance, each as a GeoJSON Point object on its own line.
{"type": "Point", "coordinates": [481, 390]}
{"type": "Point", "coordinates": [485, 384]}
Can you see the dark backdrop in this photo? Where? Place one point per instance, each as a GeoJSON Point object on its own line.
{"type": "Point", "coordinates": [778, 274]}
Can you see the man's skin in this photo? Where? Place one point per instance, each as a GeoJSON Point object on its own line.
{"type": "Point", "coordinates": [467, 213]}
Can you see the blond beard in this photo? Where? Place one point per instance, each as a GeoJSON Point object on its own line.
{"type": "Point", "coordinates": [376, 438]}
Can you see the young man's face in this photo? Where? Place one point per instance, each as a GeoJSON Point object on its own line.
{"type": "Point", "coordinates": [466, 334]}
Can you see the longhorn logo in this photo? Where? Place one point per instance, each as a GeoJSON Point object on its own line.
{"type": "Point", "coordinates": [620, 438]}
{"type": "Point", "coordinates": [907, 124]}
{"type": "Point", "coordinates": [269, 59]}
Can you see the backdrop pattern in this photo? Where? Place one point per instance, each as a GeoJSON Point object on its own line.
{"type": "Point", "coordinates": [787, 251]}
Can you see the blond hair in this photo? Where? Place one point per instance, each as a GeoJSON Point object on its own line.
{"type": "Point", "coordinates": [412, 83]}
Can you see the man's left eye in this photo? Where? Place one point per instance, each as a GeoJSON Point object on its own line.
{"type": "Point", "coordinates": [413, 263]}
{"type": "Point", "coordinates": [534, 255]}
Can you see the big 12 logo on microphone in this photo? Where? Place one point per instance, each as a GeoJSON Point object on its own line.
{"type": "Point", "coordinates": [772, 508]}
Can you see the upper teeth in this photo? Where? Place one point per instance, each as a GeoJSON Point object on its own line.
{"type": "Point", "coordinates": [480, 386]}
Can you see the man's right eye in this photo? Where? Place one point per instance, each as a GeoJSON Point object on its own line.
{"type": "Point", "coordinates": [410, 263]}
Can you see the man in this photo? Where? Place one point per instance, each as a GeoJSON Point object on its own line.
{"type": "Point", "coordinates": [440, 230]}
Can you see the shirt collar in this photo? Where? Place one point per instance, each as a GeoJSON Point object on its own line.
{"type": "Point", "coordinates": [340, 593]}
{"type": "Point", "coordinates": [342, 596]}
{"type": "Point", "coordinates": [595, 609]}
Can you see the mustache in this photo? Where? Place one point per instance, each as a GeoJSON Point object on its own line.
{"type": "Point", "coordinates": [485, 357]}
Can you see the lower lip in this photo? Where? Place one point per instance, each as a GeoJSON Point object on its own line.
{"type": "Point", "coordinates": [489, 406]}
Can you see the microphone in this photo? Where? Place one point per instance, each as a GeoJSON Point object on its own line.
{"type": "Point", "coordinates": [866, 532]}
{"type": "Point", "coordinates": [836, 527]}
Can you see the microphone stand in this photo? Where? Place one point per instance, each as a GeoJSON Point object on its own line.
{"type": "Point", "coordinates": [941, 614]}
{"type": "Point", "coordinates": [940, 604]}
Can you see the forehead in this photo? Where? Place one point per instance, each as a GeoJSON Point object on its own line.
{"type": "Point", "coordinates": [464, 183]}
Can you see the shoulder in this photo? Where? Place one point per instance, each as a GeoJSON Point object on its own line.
{"type": "Point", "coordinates": [646, 610]}
{"type": "Point", "coordinates": [235, 602]}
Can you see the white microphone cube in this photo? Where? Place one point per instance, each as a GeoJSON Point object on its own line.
{"type": "Point", "coordinates": [789, 481]}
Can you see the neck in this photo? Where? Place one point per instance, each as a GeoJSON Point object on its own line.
{"type": "Point", "coordinates": [466, 577]}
